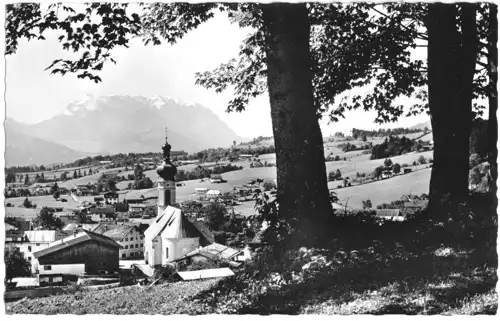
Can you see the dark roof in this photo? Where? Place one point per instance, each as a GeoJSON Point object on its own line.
{"type": "Point", "coordinates": [208, 236]}
{"type": "Point", "coordinates": [417, 204]}
{"type": "Point", "coordinates": [214, 251]}
{"type": "Point", "coordinates": [116, 232]}
{"type": "Point", "coordinates": [69, 241]}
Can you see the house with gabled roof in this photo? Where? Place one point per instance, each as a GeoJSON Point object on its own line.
{"type": "Point", "coordinates": [129, 236]}
{"type": "Point", "coordinates": [28, 242]}
{"type": "Point", "coordinates": [171, 236]}
{"type": "Point", "coordinates": [99, 253]}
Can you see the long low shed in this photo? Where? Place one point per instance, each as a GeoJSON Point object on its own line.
{"type": "Point", "coordinates": [205, 274]}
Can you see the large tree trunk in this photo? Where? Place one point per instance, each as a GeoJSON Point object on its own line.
{"type": "Point", "coordinates": [451, 63]}
{"type": "Point", "coordinates": [301, 171]}
{"type": "Point", "coordinates": [493, 98]}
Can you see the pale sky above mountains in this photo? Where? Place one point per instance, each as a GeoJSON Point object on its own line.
{"type": "Point", "coordinates": [33, 95]}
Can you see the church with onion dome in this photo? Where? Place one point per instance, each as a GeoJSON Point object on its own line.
{"type": "Point", "coordinates": [171, 235]}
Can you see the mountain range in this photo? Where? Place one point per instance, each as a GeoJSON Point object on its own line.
{"type": "Point", "coordinates": [115, 124]}
{"type": "Point", "coordinates": [422, 125]}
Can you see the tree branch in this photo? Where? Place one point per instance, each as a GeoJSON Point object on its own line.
{"type": "Point", "coordinates": [419, 34]}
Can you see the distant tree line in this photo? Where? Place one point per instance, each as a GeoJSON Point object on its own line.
{"type": "Point", "coordinates": [347, 147]}
{"type": "Point", "coordinates": [394, 146]}
{"type": "Point", "coordinates": [201, 172]}
{"type": "Point", "coordinates": [358, 133]}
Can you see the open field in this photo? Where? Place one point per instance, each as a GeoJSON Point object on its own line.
{"type": "Point", "coordinates": [387, 190]}
{"type": "Point", "coordinates": [378, 192]}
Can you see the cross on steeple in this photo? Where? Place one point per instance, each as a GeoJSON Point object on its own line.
{"type": "Point", "coordinates": [166, 133]}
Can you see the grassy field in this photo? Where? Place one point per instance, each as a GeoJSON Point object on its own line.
{"type": "Point", "coordinates": [378, 192]}
{"type": "Point", "coordinates": [385, 191]}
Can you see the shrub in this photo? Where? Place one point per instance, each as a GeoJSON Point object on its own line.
{"type": "Point", "coordinates": [422, 160]}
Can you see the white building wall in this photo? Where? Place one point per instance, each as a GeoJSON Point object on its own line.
{"type": "Point", "coordinates": [72, 269]}
{"type": "Point", "coordinates": [132, 245]}
{"type": "Point", "coordinates": [178, 248]}
{"type": "Point", "coordinates": [27, 249]}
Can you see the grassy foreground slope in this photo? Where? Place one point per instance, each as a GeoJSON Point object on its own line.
{"type": "Point", "coordinates": [161, 299]}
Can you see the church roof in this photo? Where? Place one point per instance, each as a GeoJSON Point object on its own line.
{"type": "Point", "coordinates": [172, 224]}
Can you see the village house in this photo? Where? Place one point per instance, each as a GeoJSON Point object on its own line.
{"type": "Point", "coordinates": [85, 190]}
{"type": "Point", "coordinates": [97, 252]}
{"type": "Point", "coordinates": [387, 174]}
{"type": "Point", "coordinates": [29, 242]}
{"type": "Point", "coordinates": [213, 252]}
{"type": "Point", "coordinates": [216, 178]}
{"type": "Point", "coordinates": [148, 162]}
{"type": "Point", "coordinates": [109, 175]}
{"type": "Point", "coordinates": [129, 237]}
{"type": "Point", "coordinates": [111, 197]}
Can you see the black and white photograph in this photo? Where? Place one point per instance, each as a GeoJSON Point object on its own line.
{"type": "Point", "coordinates": [250, 158]}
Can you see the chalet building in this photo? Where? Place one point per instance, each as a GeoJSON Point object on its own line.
{"type": "Point", "coordinates": [29, 242]}
{"type": "Point", "coordinates": [85, 190]}
{"type": "Point", "coordinates": [98, 252]}
{"type": "Point", "coordinates": [129, 236]}
{"type": "Point", "coordinates": [111, 197]}
{"type": "Point", "coordinates": [216, 178]}
{"type": "Point", "coordinates": [387, 174]}
{"type": "Point", "coordinates": [148, 162]}
{"type": "Point", "coordinates": [170, 237]}
{"type": "Point", "coordinates": [140, 209]}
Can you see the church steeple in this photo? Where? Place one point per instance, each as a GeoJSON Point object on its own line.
{"type": "Point", "coordinates": [166, 178]}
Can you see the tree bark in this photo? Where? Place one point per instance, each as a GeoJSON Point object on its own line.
{"type": "Point", "coordinates": [303, 195]}
{"type": "Point", "coordinates": [493, 98]}
{"type": "Point", "coordinates": [451, 63]}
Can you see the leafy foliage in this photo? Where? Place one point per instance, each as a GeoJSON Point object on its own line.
{"type": "Point", "coordinates": [393, 146]}
{"type": "Point", "coordinates": [47, 220]}
{"type": "Point", "coordinates": [92, 34]}
{"type": "Point", "coordinates": [16, 264]}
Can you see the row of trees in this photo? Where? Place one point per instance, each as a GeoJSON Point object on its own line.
{"type": "Point", "coordinates": [308, 57]}
{"type": "Point", "coordinates": [394, 146]}
{"type": "Point", "coordinates": [202, 172]}
{"type": "Point", "coordinates": [381, 132]}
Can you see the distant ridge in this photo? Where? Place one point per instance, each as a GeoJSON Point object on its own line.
{"type": "Point", "coordinates": [123, 124]}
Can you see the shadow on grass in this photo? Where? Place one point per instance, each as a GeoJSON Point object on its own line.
{"type": "Point", "coordinates": [397, 269]}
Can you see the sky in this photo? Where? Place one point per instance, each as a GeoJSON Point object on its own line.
{"type": "Point", "coordinates": [34, 95]}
